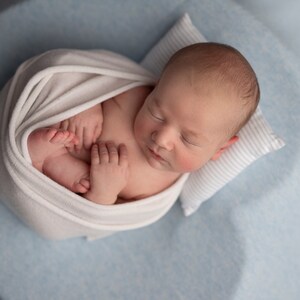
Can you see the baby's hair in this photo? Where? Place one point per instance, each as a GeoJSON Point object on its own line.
{"type": "Point", "coordinates": [224, 66]}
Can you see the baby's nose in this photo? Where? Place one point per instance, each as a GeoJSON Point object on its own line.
{"type": "Point", "coordinates": [164, 138]}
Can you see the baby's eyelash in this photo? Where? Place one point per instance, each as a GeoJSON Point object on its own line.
{"type": "Point", "coordinates": [186, 141]}
{"type": "Point", "coordinates": [154, 116]}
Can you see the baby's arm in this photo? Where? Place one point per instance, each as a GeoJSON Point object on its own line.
{"type": "Point", "coordinates": [87, 126]}
{"type": "Point", "coordinates": [109, 172]}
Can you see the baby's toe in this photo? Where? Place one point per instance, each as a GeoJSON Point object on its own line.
{"type": "Point", "coordinates": [50, 133]}
{"type": "Point", "coordinates": [79, 188]}
{"type": "Point", "coordinates": [71, 140]}
{"type": "Point", "coordinates": [57, 137]}
{"type": "Point", "coordinates": [85, 182]}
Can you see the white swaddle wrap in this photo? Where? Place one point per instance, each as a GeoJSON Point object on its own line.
{"type": "Point", "coordinates": [45, 90]}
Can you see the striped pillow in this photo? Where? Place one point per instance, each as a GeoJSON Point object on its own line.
{"type": "Point", "coordinates": [255, 139]}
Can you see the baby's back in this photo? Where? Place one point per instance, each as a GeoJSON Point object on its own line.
{"type": "Point", "coordinates": [118, 119]}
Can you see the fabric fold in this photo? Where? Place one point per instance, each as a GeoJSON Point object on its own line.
{"type": "Point", "coordinates": [45, 90]}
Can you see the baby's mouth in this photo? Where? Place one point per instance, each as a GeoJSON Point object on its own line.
{"type": "Point", "coordinates": [156, 156]}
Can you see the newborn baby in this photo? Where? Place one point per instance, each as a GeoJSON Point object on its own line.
{"type": "Point", "coordinates": [139, 143]}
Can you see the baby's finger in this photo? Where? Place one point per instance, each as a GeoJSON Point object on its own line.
{"type": "Point", "coordinates": [79, 133]}
{"type": "Point", "coordinates": [64, 124]}
{"type": "Point", "coordinates": [87, 138]}
{"type": "Point", "coordinates": [97, 132]}
{"type": "Point", "coordinates": [71, 140]}
{"type": "Point", "coordinates": [103, 153]}
{"type": "Point", "coordinates": [113, 152]}
{"type": "Point", "coordinates": [71, 126]}
{"type": "Point", "coordinates": [123, 155]}
{"type": "Point", "coordinates": [95, 159]}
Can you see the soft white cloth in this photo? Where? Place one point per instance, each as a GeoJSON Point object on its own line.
{"type": "Point", "coordinates": [47, 89]}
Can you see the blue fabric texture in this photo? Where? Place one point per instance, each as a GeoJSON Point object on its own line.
{"type": "Point", "coordinates": [242, 244]}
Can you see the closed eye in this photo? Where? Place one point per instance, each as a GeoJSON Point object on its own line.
{"type": "Point", "coordinates": [155, 116]}
{"type": "Point", "coordinates": [188, 142]}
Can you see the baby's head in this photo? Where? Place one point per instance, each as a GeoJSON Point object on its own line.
{"type": "Point", "coordinates": [206, 94]}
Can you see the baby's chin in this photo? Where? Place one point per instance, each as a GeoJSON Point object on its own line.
{"type": "Point", "coordinates": [188, 168]}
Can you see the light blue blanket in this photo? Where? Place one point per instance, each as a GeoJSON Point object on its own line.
{"type": "Point", "coordinates": [242, 244]}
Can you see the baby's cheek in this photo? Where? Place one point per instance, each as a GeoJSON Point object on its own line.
{"type": "Point", "coordinates": [140, 127]}
{"type": "Point", "coordinates": [188, 164]}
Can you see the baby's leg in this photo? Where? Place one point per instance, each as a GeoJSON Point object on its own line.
{"type": "Point", "coordinates": [48, 152]}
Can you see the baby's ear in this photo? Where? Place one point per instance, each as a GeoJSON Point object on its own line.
{"type": "Point", "coordinates": [230, 142]}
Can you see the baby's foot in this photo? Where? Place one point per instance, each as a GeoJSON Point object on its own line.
{"type": "Point", "coordinates": [62, 137]}
{"type": "Point", "coordinates": [46, 142]}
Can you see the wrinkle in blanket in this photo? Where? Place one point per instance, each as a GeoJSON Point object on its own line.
{"type": "Point", "coordinates": [45, 90]}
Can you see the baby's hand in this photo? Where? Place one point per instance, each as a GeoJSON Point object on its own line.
{"type": "Point", "coordinates": [109, 172]}
{"type": "Point", "coordinates": [87, 126]}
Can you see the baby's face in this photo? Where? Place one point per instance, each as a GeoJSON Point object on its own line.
{"type": "Point", "coordinates": [179, 129]}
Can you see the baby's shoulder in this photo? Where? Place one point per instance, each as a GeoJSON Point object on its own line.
{"type": "Point", "coordinates": [133, 99]}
